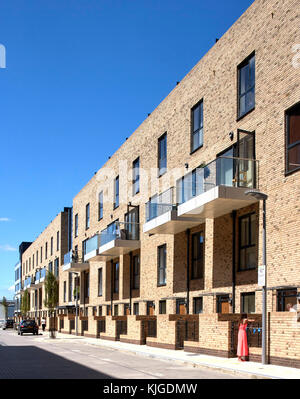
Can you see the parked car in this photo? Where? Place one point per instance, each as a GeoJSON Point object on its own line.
{"type": "Point", "coordinates": [2, 323]}
{"type": "Point", "coordinates": [28, 326]}
{"type": "Point", "coordinates": [8, 324]}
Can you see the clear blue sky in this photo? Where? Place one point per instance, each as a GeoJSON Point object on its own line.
{"type": "Point", "coordinates": [81, 76]}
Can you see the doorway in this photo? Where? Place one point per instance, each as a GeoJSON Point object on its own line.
{"type": "Point", "coordinates": [223, 304]}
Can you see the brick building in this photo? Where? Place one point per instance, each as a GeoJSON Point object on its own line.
{"type": "Point", "coordinates": [165, 241]}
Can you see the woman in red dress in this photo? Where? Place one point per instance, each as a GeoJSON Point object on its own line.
{"type": "Point", "coordinates": [242, 349]}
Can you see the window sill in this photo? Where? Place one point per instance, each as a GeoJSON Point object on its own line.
{"type": "Point", "coordinates": [247, 113]}
{"type": "Point", "coordinates": [287, 174]}
{"type": "Point", "coordinates": [193, 152]}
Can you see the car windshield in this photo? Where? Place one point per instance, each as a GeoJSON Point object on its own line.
{"type": "Point", "coordinates": [28, 323]}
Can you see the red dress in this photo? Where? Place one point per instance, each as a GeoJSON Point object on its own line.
{"type": "Point", "coordinates": [242, 349]}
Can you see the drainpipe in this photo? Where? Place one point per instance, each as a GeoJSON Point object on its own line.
{"type": "Point", "coordinates": [233, 258]}
{"type": "Point", "coordinates": [188, 272]}
{"type": "Point", "coordinates": [130, 283]}
{"type": "Point", "coordinates": [111, 286]}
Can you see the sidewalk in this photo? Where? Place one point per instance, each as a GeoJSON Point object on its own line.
{"type": "Point", "coordinates": [232, 366]}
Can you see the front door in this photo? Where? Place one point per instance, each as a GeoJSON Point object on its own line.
{"type": "Point", "coordinates": [180, 306]}
{"type": "Point", "coordinates": [150, 308]}
{"type": "Point", "coordinates": [223, 305]}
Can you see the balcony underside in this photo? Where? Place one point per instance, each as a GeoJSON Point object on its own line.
{"type": "Point", "coordinates": [31, 287]}
{"type": "Point", "coordinates": [39, 282]}
{"type": "Point", "coordinates": [170, 223]}
{"type": "Point", "coordinates": [118, 247]}
{"type": "Point", "coordinates": [216, 202]}
{"type": "Point", "coordinates": [76, 267]}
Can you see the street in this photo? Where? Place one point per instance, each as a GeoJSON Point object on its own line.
{"type": "Point", "coordinates": [38, 357]}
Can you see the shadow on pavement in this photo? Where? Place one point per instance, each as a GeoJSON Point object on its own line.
{"type": "Point", "coordinates": [30, 362]}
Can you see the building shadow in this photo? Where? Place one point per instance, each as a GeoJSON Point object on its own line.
{"type": "Point", "coordinates": [30, 362]}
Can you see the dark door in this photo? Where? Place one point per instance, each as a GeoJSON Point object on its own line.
{"type": "Point", "coordinates": [223, 305]}
{"type": "Point", "coordinates": [180, 306]}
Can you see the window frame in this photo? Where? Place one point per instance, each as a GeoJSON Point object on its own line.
{"type": "Point", "coordinates": [136, 176]}
{"type": "Point", "coordinates": [194, 259]}
{"type": "Point", "coordinates": [135, 276]}
{"type": "Point", "coordinates": [100, 286]}
{"type": "Point", "coordinates": [87, 216]}
{"type": "Point", "coordinates": [116, 192]}
{"type": "Point", "coordinates": [243, 295]}
{"type": "Point", "coordinates": [164, 267]}
{"type": "Point", "coordinates": [162, 302]}
{"type": "Point", "coordinates": [193, 132]}
{"type": "Point", "coordinates": [100, 205]}
{"type": "Point", "coordinates": [161, 172]}
{"type": "Point", "coordinates": [287, 145]}
{"type": "Point", "coordinates": [76, 225]}
{"type": "Point", "coordinates": [195, 299]}
{"type": "Point", "coordinates": [245, 62]}
{"type": "Point", "coordinates": [240, 248]}
{"type": "Point", "coordinates": [116, 277]}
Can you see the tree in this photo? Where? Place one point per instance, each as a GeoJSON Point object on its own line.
{"type": "Point", "coordinates": [5, 304]}
{"type": "Point", "coordinates": [25, 303]}
{"type": "Point", "coordinates": [51, 301]}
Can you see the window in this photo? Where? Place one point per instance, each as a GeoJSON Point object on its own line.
{"type": "Point", "coordinates": [162, 307]}
{"type": "Point", "coordinates": [56, 267]}
{"type": "Point", "coordinates": [162, 154]}
{"type": "Point", "coordinates": [247, 242]}
{"type": "Point", "coordinates": [86, 284]}
{"type": "Point", "coordinates": [292, 123]}
{"type": "Point", "coordinates": [162, 264]}
{"type": "Point", "coordinates": [136, 308]}
{"type": "Point", "coordinates": [150, 308]}
{"type": "Point", "coordinates": [285, 297]}
{"type": "Point", "coordinates": [41, 254]}
{"type": "Point", "coordinates": [108, 310]}
{"type": "Point", "coordinates": [116, 192]}
{"type": "Point", "coordinates": [198, 305]}
{"type": "Point", "coordinates": [116, 277]}
{"type": "Point", "coordinates": [29, 264]}
{"type": "Point", "coordinates": [33, 260]}
{"type": "Point", "coordinates": [65, 291]}
{"type": "Point", "coordinates": [99, 310]}
{"type": "Point", "coordinates": [246, 86]}
{"type": "Point", "coordinates": [136, 272]}
{"type": "Point", "coordinates": [76, 225]}
{"type": "Point", "coordinates": [87, 216]}
{"type": "Point", "coordinates": [57, 241]}
{"type": "Point", "coordinates": [100, 206]}
{"type": "Point", "coordinates": [197, 255]}
{"type": "Point", "coordinates": [70, 287]}
{"type": "Point", "coordinates": [248, 302]}
{"type": "Point", "coordinates": [136, 176]}
{"type": "Point", "coordinates": [50, 268]}
{"type": "Point", "coordinates": [126, 309]}
{"type": "Point", "coordinates": [100, 282]}
{"type": "Point", "coordinates": [94, 310]}
{"type": "Point", "coordinates": [46, 250]}
{"type": "Point", "coordinates": [197, 126]}
{"type": "Point", "coordinates": [116, 310]}
{"type": "Point", "coordinates": [37, 257]}
{"type": "Point", "coordinates": [51, 246]}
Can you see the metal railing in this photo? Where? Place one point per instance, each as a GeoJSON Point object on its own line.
{"type": "Point", "coordinates": [160, 204]}
{"type": "Point", "coordinates": [120, 230]}
{"type": "Point", "coordinates": [73, 257]}
{"type": "Point", "coordinates": [226, 171]}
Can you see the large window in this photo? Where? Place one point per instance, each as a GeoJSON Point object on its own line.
{"type": "Point", "coordinates": [136, 272]}
{"type": "Point", "coordinates": [56, 267]}
{"type": "Point", "coordinates": [162, 265]}
{"type": "Point", "coordinates": [87, 216]}
{"type": "Point", "coordinates": [116, 192]}
{"type": "Point", "coordinates": [51, 246]}
{"type": "Point", "coordinates": [100, 206]}
{"type": "Point", "coordinates": [70, 287]}
{"type": "Point", "coordinates": [162, 154]}
{"type": "Point", "coordinates": [46, 250]}
{"type": "Point", "coordinates": [57, 241]}
{"type": "Point", "coordinates": [197, 255]}
{"type": "Point", "coordinates": [246, 86]}
{"type": "Point", "coordinates": [197, 126]}
{"type": "Point", "coordinates": [136, 308]}
{"type": "Point", "coordinates": [100, 282]}
{"type": "Point", "coordinates": [285, 297]}
{"type": "Point", "coordinates": [248, 302]}
{"type": "Point", "coordinates": [65, 291]}
{"type": "Point", "coordinates": [247, 242]}
{"type": "Point", "coordinates": [293, 139]}
{"type": "Point", "coordinates": [76, 225]}
{"type": "Point", "coordinates": [163, 307]}
{"type": "Point", "coordinates": [86, 285]}
{"type": "Point", "coordinates": [136, 176]}
{"type": "Point", "coordinates": [116, 277]}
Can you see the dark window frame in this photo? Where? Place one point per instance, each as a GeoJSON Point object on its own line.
{"type": "Point", "coordinates": [136, 176]}
{"type": "Point", "coordinates": [100, 281]}
{"type": "Point", "coordinates": [287, 138]}
{"type": "Point", "coordinates": [76, 225]}
{"type": "Point", "coordinates": [280, 297]}
{"type": "Point", "coordinates": [100, 206]}
{"type": "Point", "coordinates": [161, 172]}
{"type": "Point", "coordinates": [194, 259]}
{"type": "Point", "coordinates": [116, 192]}
{"type": "Point", "coordinates": [162, 267]}
{"type": "Point", "coordinates": [162, 302]}
{"type": "Point", "coordinates": [136, 308]}
{"type": "Point", "coordinates": [87, 216]}
{"type": "Point", "coordinates": [244, 63]}
{"type": "Point", "coordinates": [195, 299]}
{"type": "Point", "coordinates": [116, 277]}
{"type": "Point", "coordinates": [243, 295]}
{"type": "Point", "coordinates": [240, 248]}
{"type": "Point", "coordinates": [194, 132]}
{"type": "Point", "coordinates": [135, 274]}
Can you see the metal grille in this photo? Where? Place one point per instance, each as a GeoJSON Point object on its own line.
{"type": "Point", "coordinates": [186, 330]}
{"type": "Point", "coordinates": [100, 327]}
{"type": "Point", "coordinates": [121, 328]}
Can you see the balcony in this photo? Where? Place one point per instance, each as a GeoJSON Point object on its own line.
{"type": "Point", "coordinates": [29, 283]}
{"type": "Point", "coordinates": [119, 238]}
{"type": "Point", "coordinates": [162, 216]}
{"type": "Point", "coordinates": [217, 188]}
{"type": "Point", "coordinates": [40, 277]}
{"type": "Point", "coordinates": [73, 261]}
{"type": "Point", "coordinates": [91, 249]}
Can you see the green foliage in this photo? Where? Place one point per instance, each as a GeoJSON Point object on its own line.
{"type": "Point", "coordinates": [25, 303]}
{"type": "Point", "coordinates": [51, 292]}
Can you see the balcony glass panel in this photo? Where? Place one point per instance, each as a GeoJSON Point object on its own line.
{"type": "Point", "coordinates": [225, 171]}
{"type": "Point", "coordinates": [37, 275]}
{"type": "Point", "coordinates": [91, 244]}
{"type": "Point", "coordinates": [120, 230]}
{"type": "Point", "coordinates": [43, 273]}
{"type": "Point", "coordinates": [159, 204]}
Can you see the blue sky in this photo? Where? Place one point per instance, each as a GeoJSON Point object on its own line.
{"type": "Point", "coordinates": [80, 77]}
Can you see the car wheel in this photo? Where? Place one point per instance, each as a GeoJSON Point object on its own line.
{"type": "Point", "coordinates": [18, 333]}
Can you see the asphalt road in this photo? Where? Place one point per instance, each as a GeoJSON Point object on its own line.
{"type": "Point", "coordinates": [28, 356]}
